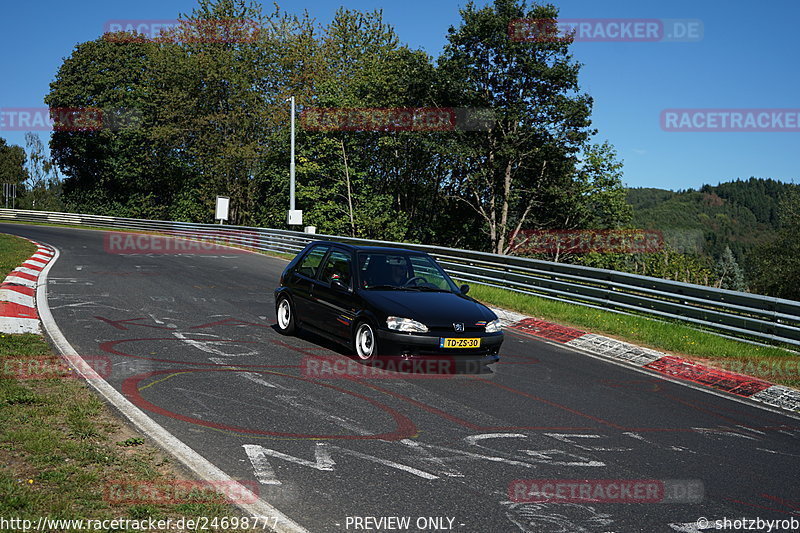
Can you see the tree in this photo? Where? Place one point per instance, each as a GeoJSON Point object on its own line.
{"type": "Point", "coordinates": [114, 168]}
{"type": "Point", "coordinates": [518, 171]}
{"type": "Point", "coordinates": [43, 187]}
{"type": "Point", "coordinates": [12, 165]}
{"type": "Point", "coordinates": [373, 182]}
{"type": "Point", "coordinates": [729, 274]}
{"type": "Point", "coordinates": [598, 184]}
{"type": "Point", "coordinates": [775, 265]}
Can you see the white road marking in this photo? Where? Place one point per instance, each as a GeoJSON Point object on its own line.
{"type": "Point", "coordinates": [779, 453]}
{"type": "Point", "coordinates": [656, 444]}
{"type": "Point", "coordinates": [567, 437]}
{"type": "Point", "coordinates": [204, 345]}
{"type": "Point", "coordinates": [325, 415]}
{"type": "Point", "coordinates": [692, 527]}
{"type": "Point", "coordinates": [427, 457]}
{"type": "Point", "coordinates": [712, 432]}
{"type": "Point", "coordinates": [200, 466]}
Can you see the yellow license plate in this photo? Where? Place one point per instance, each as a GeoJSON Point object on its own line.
{"type": "Point", "coordinates": [459, 343]}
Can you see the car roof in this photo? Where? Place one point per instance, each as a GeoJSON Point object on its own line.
{"type": "Point", "coordinates": [360, 248]}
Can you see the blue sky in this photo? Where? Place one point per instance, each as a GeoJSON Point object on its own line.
{"type": "Point", "coordinates": [748, 57]}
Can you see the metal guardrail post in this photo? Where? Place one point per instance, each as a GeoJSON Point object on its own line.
{"type": "Point", "coordinates": [728, 312]}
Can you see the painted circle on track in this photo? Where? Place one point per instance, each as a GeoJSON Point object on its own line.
{"type": "Point", "coordinates": [404, 426]}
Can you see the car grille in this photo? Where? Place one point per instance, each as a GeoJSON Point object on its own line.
{"type": "Point", "coordinates": [449, 330]}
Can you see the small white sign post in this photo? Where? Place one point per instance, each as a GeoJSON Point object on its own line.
{"type": "Point", "coordinates": [223, 202]}
{"type": "Point", "coordinates": [295, 217]}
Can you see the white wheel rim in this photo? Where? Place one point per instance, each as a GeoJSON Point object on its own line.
{"type": "Point", "coordinates": [365, 342]}
{"type": "Point", "coordinates": [284, 314]}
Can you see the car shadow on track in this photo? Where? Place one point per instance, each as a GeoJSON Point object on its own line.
{"type": "Point", "coordinates": [434, 366]}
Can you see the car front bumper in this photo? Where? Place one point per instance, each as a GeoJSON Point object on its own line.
{"type": "Point", "coordinates": [393, 343]}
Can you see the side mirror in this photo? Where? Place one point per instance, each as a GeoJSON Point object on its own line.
{"type": "Point", "coordinates": [464, 289]}
{"type": "Point", "coordinates": [339, 286]}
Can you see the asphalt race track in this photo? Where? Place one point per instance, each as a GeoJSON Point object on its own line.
{"type": "Point", "coordinates": [192, 343]}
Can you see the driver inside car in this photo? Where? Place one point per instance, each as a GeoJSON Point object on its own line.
{"type": "Point", "coordinates": [399, 277]}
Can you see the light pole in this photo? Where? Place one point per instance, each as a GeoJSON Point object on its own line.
{"type": "Point", "coordinates": [295, 216]}
{"type": "Point", "coordinates": [291, 163]}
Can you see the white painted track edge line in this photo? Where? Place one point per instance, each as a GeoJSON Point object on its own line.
{"type": "Point", "coordinates": [192, 460]}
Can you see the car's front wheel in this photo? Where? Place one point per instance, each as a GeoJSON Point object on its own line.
{"type": "Point", "coordinates": [365, 342]}
{"type": "Point", "coordinates": [286, 322]}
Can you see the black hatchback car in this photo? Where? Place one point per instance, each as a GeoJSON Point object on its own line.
{"type": "Point", "coordinates": [384, 302]}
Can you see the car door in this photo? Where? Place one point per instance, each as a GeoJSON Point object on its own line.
{"type": "Point", "coordinates": [301, 283]}
{"type": "Point", "coordinates": [333, 292]}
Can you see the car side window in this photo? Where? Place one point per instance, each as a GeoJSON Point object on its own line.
{"type": "Point", "coordinates": [424, 269]}
{"type": "Point", "coordinates": [309, 266]}
{"type": "Point", "coordinates": [337, 267]}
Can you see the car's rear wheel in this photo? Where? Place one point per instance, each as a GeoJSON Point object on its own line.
{"type": "Point", "coordinates": [365, 342]}
{"type": "Point", "coordinates": [286, 322]}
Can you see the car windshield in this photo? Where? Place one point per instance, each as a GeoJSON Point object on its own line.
{"type": "Point", "coordinates": [399, 271]}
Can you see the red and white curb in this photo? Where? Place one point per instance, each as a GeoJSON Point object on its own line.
{"type": "Point", "coordinates": [18, 294]}
{"type": "Point", "coordinates": [668, 365]}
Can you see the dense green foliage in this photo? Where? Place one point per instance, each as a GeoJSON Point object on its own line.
{"type": "Point", "coordinates": [775, 264]}
{"type": "Point", "coordinates": [33, 173]}
{"type": "Point", "coordinates": [737, 214]}
{"type": "Point", "coordinates": [743, 228]}
{"type": "Point", "coordinates": [210, 117]}
{"type": "Point", "coordinates": [12, 163]}
{"type": "Point", "coordinates": [188, 119]}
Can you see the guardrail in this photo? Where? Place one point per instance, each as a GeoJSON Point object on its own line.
{"type": "Point", "coordinates": [729, 313]}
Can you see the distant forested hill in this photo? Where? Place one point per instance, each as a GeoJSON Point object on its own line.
{"type": "Point", "coordinates": [739, 214]}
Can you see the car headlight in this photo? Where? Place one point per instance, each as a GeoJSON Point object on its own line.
{"type": "Point", "coordinates": [494, 326]}
{"type": "Point", "coordinates": [405, 324]}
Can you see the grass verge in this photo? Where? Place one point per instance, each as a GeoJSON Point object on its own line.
{"type": "Point", "coordinates": [13, 252]}
{"type": "Point", "coordinates": [764, 362]}
{"type": "Point", "coordinates": [65, 455]}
